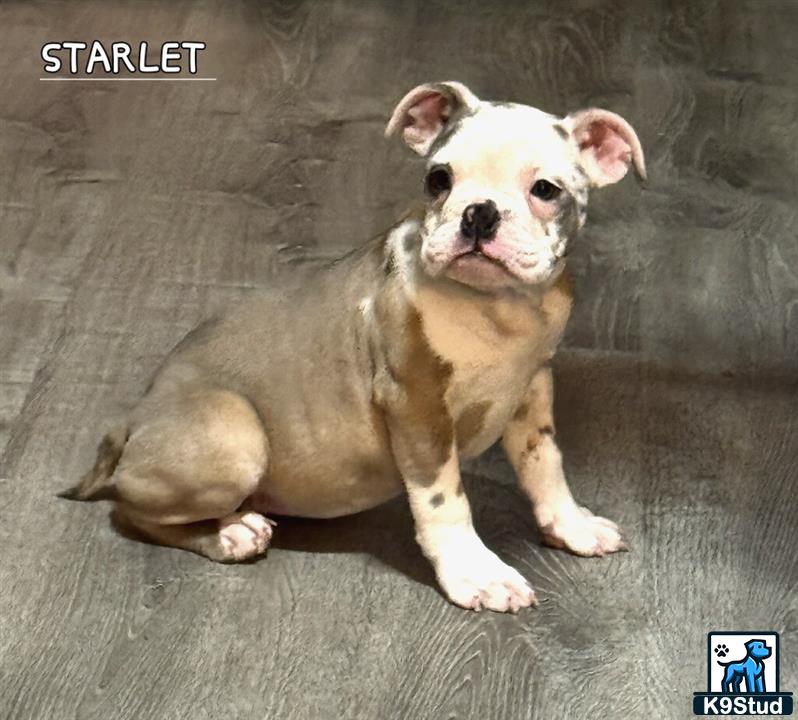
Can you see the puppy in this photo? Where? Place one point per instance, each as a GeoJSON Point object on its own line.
{"type": "Point", "coordinates": [418, 349]}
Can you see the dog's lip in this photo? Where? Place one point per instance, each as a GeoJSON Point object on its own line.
{"type": "Point", "coordinates": [474, 266]}
{"type": "Point", "coordinates": [477, 254]}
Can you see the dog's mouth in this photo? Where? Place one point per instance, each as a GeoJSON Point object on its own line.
{"type": "Point", "coordinates": [475, 268]}
{"type": "Point", "coordinates": [477, 253]}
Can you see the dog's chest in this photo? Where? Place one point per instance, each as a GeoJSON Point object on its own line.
{"type": "Point", "coordinates": [493, 349]}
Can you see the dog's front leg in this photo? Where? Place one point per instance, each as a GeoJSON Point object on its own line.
{"type": "Point", "coordinates": [751, 680]}
{"type": "Point", "coordinates": [530, 446]}
{"type": "Point", "coordinates": [410, 389]}
{"type": "Point", "coordinates": [470, 574]}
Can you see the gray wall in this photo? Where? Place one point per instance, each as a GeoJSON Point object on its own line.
{"type": "Point", "coordinates": [283, 158]}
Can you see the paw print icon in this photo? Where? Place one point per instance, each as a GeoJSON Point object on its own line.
{"type": "Point", "coordinates": [721, 650]}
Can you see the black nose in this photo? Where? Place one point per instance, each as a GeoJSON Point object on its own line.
{"type": "Point", "coordinates": [480, 221]}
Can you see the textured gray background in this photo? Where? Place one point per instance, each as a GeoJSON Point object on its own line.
{"type": "Point", "coordinates": [129, 211]}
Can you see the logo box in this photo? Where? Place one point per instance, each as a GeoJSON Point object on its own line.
{"type": "Point", "coordinates": [743, 675]}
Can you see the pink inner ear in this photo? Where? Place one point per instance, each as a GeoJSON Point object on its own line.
{"type": "Point", "coordinates": [610, 151]}
{"type": "Point", "coordinates": [426, 118]}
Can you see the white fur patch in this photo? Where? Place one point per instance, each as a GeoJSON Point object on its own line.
{"type": "Point", "coordinates": [364, 306]}
{"type": "Point", "coordinates": [244, 535]}
{"type": "Point", "coordinates": [497, 155]}
{"type": "Point", "coordinates": [471, 575]}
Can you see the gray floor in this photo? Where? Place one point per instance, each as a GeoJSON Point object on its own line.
{"type": "Point", "coordinates": [129, 211]}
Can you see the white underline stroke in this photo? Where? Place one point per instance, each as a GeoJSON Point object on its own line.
{"type": "Point", "coordinates": [107, 79]}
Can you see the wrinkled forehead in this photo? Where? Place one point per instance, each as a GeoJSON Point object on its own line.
{"type": "Point", "coordinates": [499, 143]}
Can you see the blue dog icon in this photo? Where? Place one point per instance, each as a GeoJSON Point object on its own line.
{"type": "Point", "coordinates": [751, 667]}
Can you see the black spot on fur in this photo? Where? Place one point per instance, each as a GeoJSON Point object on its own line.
{"type": "Point", "coordinates": [389, 265]}
{"type": "Point", "coordinates": [450, 130]}
{"type": "Point", "coordinates": [437, 500]}
{"type": "Point", "coordinates": [561, 131]}
{"type": "Point", "coordinates": [568, 217]}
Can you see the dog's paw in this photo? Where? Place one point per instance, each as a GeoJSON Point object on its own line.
{"type": "Point", "coordinates": [244, 535]}
{"type": "Point", "coordinates": [582, 533]}
{"type": "Point", "coordinates": [721, 650]}
{"type": "Point", "coordinates": [485, 581]}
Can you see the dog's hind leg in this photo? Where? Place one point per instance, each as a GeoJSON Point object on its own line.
{"type": "Point", "coordinates": [193, 457]}
{"type": "Point", "coordinates": [238, 536]}
{"type": "Point", "coordinates": [728, 679]}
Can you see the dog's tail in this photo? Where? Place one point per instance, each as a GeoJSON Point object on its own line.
{"type": "Point", "coordinates": [94, 484]}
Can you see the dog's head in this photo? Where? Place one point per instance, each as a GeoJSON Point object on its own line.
{"type": "Point", "coordinates": [757, 649]}
{"type": "Point", "coordinates": [507, 184]}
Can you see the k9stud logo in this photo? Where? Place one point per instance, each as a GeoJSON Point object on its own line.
{"type": "Point", "coordinates": [742, 676]}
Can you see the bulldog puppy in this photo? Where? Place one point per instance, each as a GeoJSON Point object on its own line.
{"type": "Point", "coordinates": [415, 350]}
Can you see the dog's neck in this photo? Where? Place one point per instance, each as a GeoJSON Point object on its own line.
{"type": "Point", "coordinates": [459, 319]}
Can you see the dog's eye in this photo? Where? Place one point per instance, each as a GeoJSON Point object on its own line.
{"type": "Point", "coordinates": [544, 190]}
{"type": "Point", "coordinates": [438, 181]}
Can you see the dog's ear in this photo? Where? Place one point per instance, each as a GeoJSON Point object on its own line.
{"type": "Point", "coordinates": [607, 145]}
{"type": "Point", "coordinates": [423, 113]}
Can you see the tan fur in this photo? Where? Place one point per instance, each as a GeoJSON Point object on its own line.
{"type": "Point", "coordinates": [192, 455]}
{"type": "Point", "coordinates": [494, 345]}
{"type": "Point", "coordinates": [412, 390]}
{"type": "Point", "coordinates": [470, 423]}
